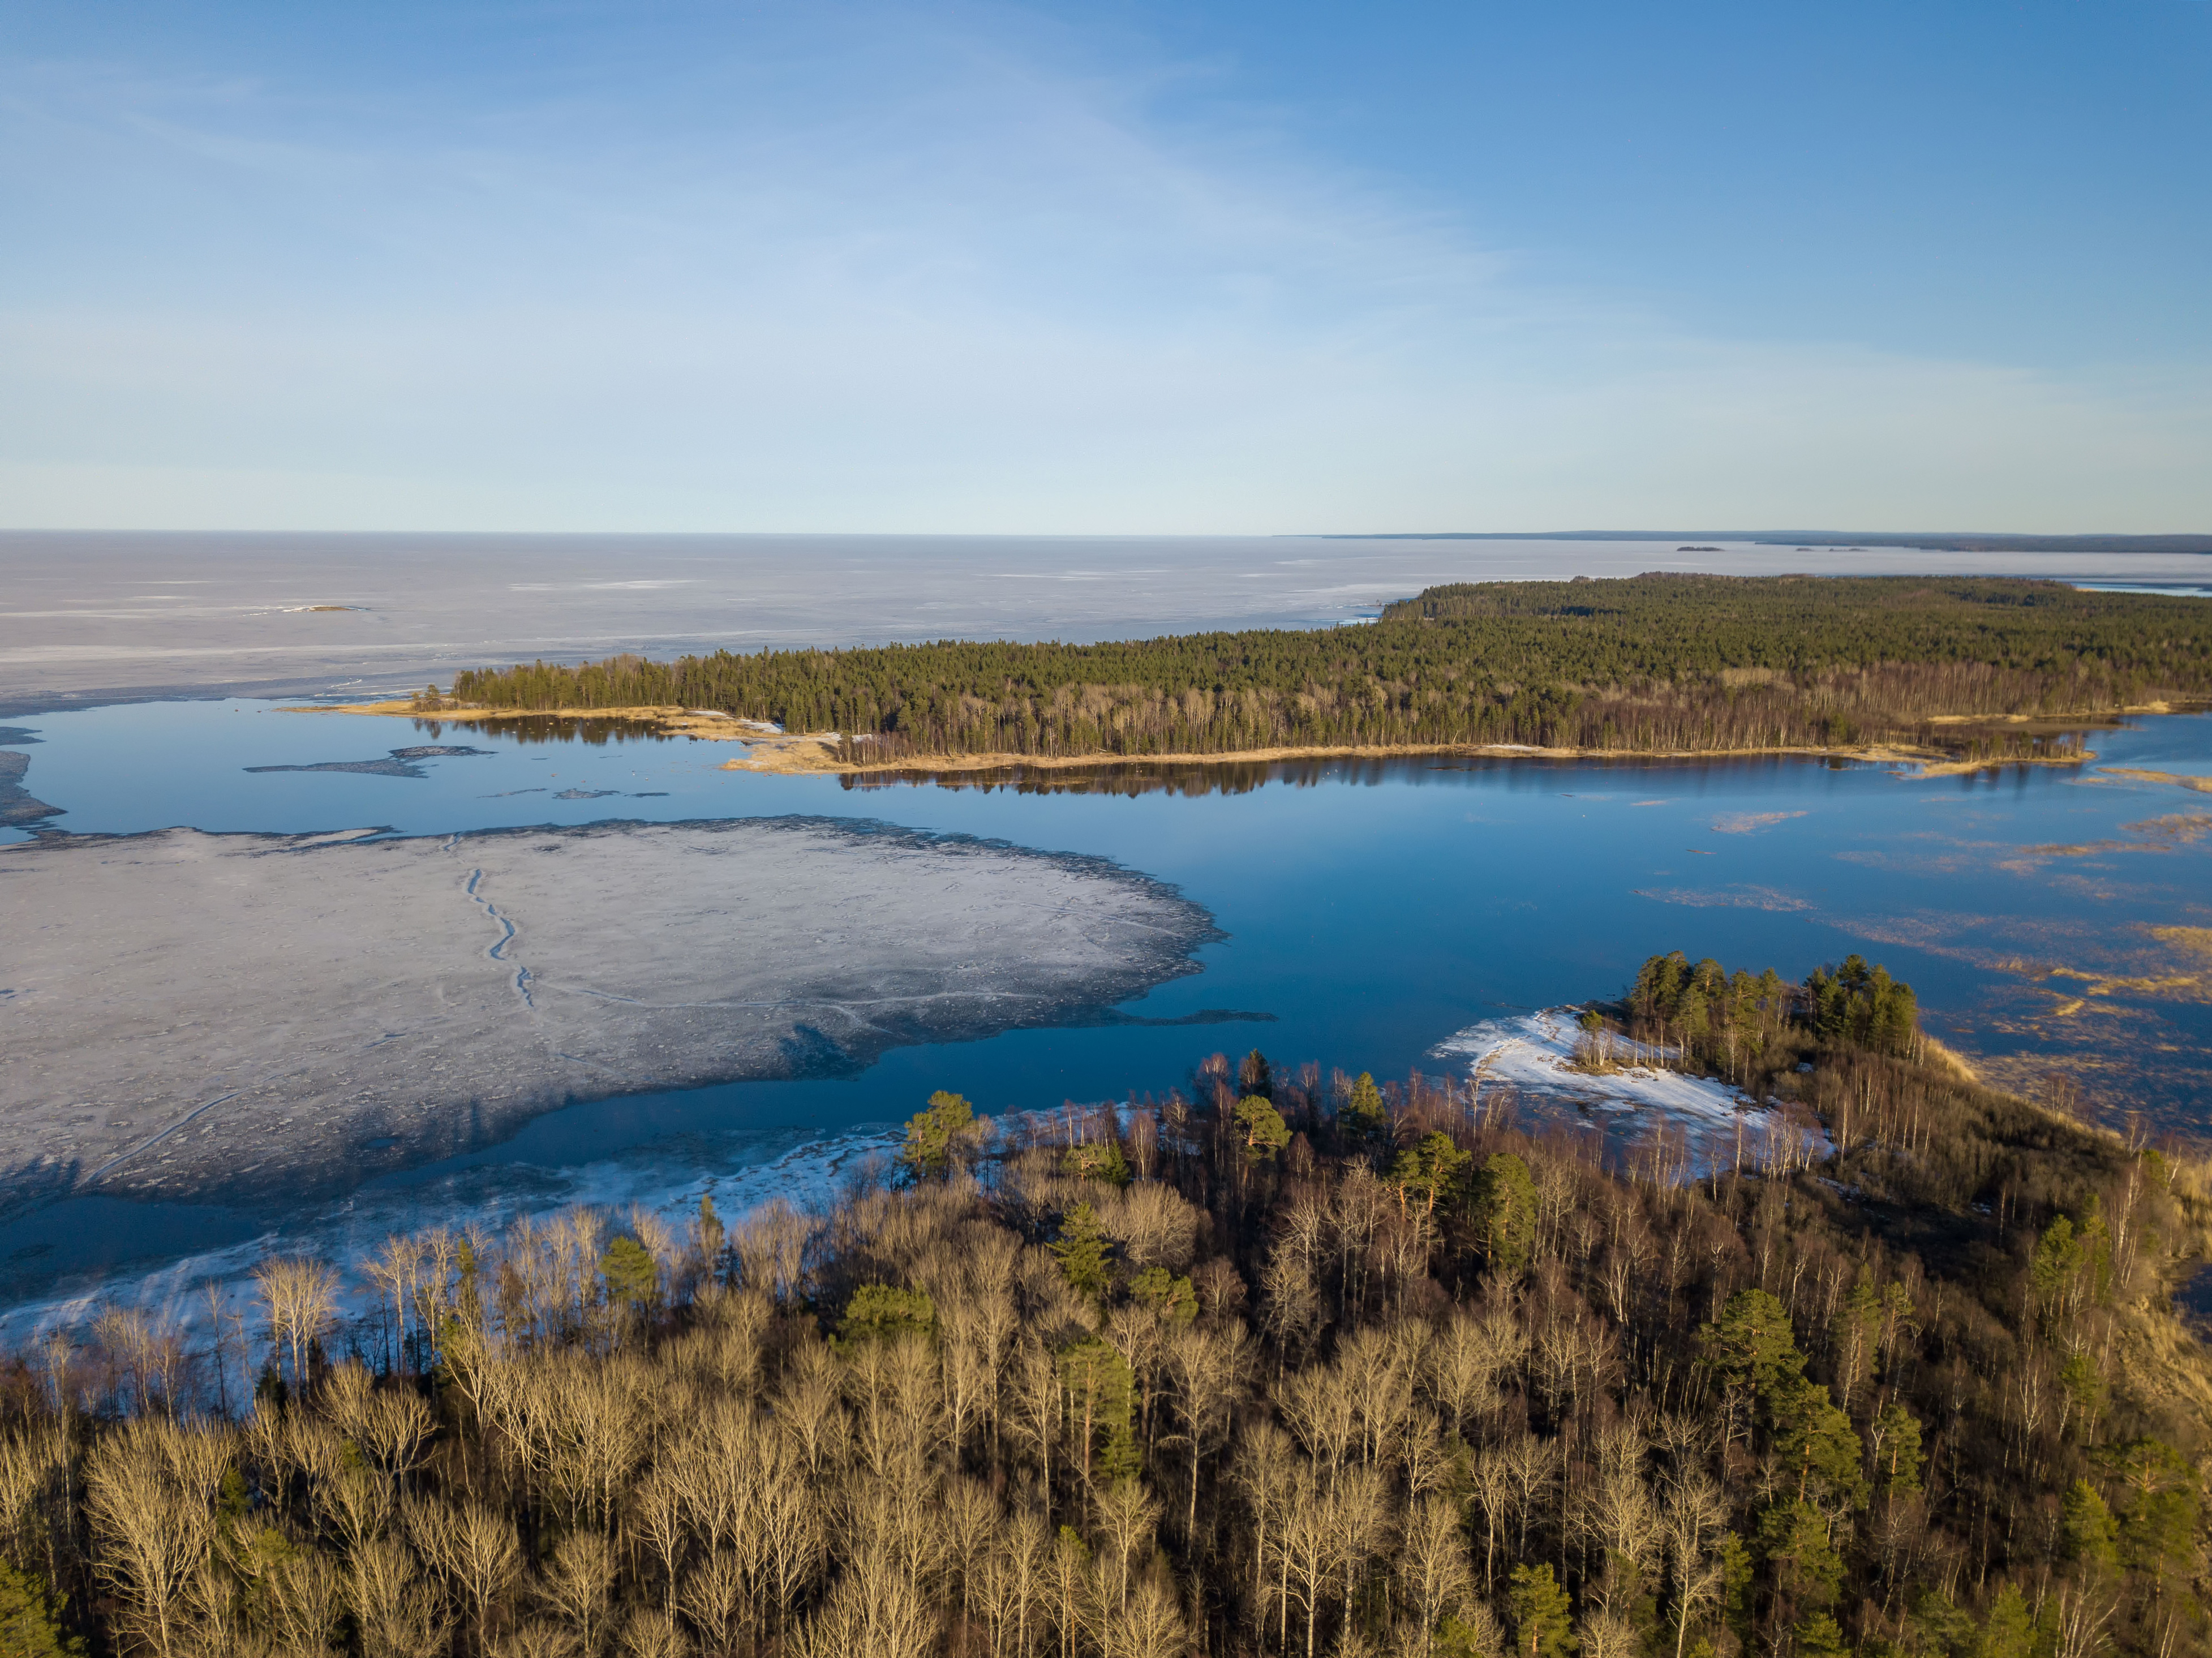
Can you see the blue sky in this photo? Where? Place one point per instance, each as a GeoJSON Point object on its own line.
{"type": "Point", "coordinates": [1110, 267]}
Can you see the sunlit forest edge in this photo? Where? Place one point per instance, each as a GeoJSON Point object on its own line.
{"type": "Point", "coordinates": [1676, 664]}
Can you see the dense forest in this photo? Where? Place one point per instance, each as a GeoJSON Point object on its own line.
{"type": "Point", "coordinates": [1655, 662]}
{"type": "Point", "coordinates": [1286, 1364]}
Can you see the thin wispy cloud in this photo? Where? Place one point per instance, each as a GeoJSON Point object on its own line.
{"type": "Point", "coordinates": [866, 269]}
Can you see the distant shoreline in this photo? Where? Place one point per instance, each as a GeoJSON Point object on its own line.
{"type": "Point", "coordinates": [1832, 540]}
{"type": "Point", "coordinates": [814, 753]}
{"type": "Point", "coordinates": [789, 756]}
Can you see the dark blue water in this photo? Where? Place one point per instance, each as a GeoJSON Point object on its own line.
{"type": "Point", "coordinates": [1371, 909]}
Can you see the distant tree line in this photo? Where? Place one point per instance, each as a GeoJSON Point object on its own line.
{"type": "Point", "coordinates": [1655, 662]}
{"type": "Point", "coordinates": [1285, 1364]}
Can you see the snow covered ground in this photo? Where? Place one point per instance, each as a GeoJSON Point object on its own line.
{"type": "Point", "coordinates": [1712, 1124]}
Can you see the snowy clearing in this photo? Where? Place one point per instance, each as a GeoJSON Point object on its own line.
{"type": "Point", "coordinates": [1712, 1124]}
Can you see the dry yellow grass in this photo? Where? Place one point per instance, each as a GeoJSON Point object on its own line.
{"type": "Point", "coordinates": [802, 753]}
{"type": "Point", "coordinates": [1960, 768]}
{"type": "Point", "coordinates": [2054, 722]}
{"type": "Point", "coordinates": [817, 752]}
{"type": "Point", "coordinates": [2195, 939]}
{"type": "Point", "coordinates": [2202, 785]}
{"type": "Point", "coordinates": [704, 723]}
{"type": "Point", "coordinates": [400, 705]}
{"type": "Point", "coordinates": [1948, 1059]}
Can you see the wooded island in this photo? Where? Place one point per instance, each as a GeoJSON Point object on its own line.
{"type": "Point", "coordinates": [1653, 663]}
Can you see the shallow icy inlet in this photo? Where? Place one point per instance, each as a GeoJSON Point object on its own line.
{"type": "Point", "coordinates": [1707, 1124]}
{"type": "Point", "coordinates": [803, 1170]}
{"type": "Point", "coordinates": [740, 1172]}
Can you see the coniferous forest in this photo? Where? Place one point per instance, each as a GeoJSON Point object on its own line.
{"type": "Point", "coordinates": [1288, 1362]}
{"type": "Point", "coordinates": [1672, 663]}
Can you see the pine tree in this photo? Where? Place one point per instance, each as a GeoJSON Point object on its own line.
{"type": "Point", "coordinates": [1102, 1402]}
{"type": "Point", "coordinates": [1896, 1439]}
{"type": "Point", "coordinates": [1265, 1131]}
{"type": "Point", "coordinates": [934, 1137]}
{"type": "Point", "coordinates": [1426, 1172]}
{"type": "Point", "coordinates": [1793, 1537]}
{"type": "Point", "coordinates": [1736, 1574]}
{"type": "Point", "coordinates": [1505, 1211]}
{"type": "Point", "coordinates": [1098, 1160]}
{"type": "Point", "coordinates": [1363, 1120]}
{"type": "Point", "coordinates": [29, 1624]}
{"type": "Point", "coordinates": [1174, 1299]}
{"type": "Point", "coordinates": [2009, 1633]}
{"type": "Point", "coordinates": [883, 1312]}
{"type": "Point", "coordinates": [1752, 1344]}
{"type": "Point", "coordinates": [712, 1233]}
{"type": "Point", "coordinates": [2086, 1521]}
{"type": "Point", "coordinates": [1817, 1637]}
{"type": "Point", "coordinates": [1082, 1248]}
{"type": "Point", "coordinates": [1543, 1625]}
{"type": "Point", "coordinates": [1817, 1443]}
{"type": "Point", "coordinates": [632, 1276]}
{"type": "Point", "coordinates": [2158, 1506]}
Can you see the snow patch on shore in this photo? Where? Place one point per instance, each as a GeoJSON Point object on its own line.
{"type": "Point", "coordinates": [1537, 1056]}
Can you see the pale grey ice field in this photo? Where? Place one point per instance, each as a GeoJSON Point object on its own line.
{"type": "Point", "coordinates": [198, 1017]}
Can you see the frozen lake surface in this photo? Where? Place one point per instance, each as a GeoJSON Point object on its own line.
{"type": "Point", "coordinates": [88, 616]}
{"type": "Point", "coordinates": [200, 1017]}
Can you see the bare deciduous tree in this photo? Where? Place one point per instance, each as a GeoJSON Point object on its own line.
{"type": "Point", "coordinates": [298, 1295]}
{"type": "Point", "coordinates": [149, 1491]}
{"type": "Point", "coordinates": [579, 1584]}
{"type": "Point", "coordinates": [1433, 1567]}
{"type": "Point", "coordinates": [398, 1611]}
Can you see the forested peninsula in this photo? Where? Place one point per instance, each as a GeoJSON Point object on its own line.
{"type": "Point", "coordinates": [1653, 663]}
{"type": "Point", "coordinates": [1284, 1363]}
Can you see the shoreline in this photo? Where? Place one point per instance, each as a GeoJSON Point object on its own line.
{"type": "Point", "coordinates": [789, 756]}
{"type": "Point", "coordinates": [709, 724]}
{"type": "Point", "coordinates": [813, 753]}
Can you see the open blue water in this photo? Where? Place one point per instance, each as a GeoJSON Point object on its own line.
{"type": "Point", "coordinates": [1371, 909]}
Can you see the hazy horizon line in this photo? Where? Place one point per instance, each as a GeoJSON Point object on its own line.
{"type": "Point", "coordinates": [1933, 540]}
